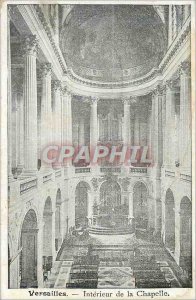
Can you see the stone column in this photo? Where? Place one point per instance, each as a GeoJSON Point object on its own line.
{"type": "Point", "coordinates": [65, 114]}
{"type": "Point", "coordinates": [126, 124]}
{"type": "Point", "coordinates": [81, 132]}
{"type": "Point", "coordinates": [58, 224]}
{"type": "Point", "coordinates": [20, 163]}
{"type": "Point", "coordinates": [136, 128]}
{"type": "Point", "coordinates": [46, 109]}
{"type": "Point", "coordinates": [177, 133]}
{"type": "Point", "coordinates": [131, 205]}
{"type": "Point", "coordinates": [93, 123]}
{"type": "Point", "coordinates": [157, 154]}
{"type": "Point", "coordinates": [56, 88]}
{"type": "Point", "coordinates": [69, 118]}
{"type": "Point", "coordinates": [66, 120]}
{"type": "Point", "coordinates": [90, 207]}
{"type": "Point", "coordinates": [9, 102]}
{"type": "Point", "coordinates": [157, 136]}
{"type": "Point", "coordinates": [30, 47]}
{"type": "Point", "coordinates": [164, 124]}
{"type": "Point", "coordinates": [149, 137]}
{"type": "Point", "coordinates": [119, 127]}
{"type": "Point", "coordinates": [170, 123]}
{"type": "Point", "coordinates": [14, 131]}
{"type": "Point", "coordinates": [185, 115]}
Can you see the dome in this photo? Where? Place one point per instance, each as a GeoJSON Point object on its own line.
{"type": "Point", "coordinates": [113, 43]}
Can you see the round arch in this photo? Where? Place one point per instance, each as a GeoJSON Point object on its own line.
{"type": "Point", "coordinates": [110, 194]}
{"type": "Point", "coordinates": [169, 220]}
{"type": "Point", "coordinates": [28, 255]}
{"type": "Point", "coordinates": [81, 203]}
{"type": "Point", "coordinates": [134, 183]}
{"type": "Point", "coordinates": [140, 211]}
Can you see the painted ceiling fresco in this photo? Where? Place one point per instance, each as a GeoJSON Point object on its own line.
{"type": "Point", "coordinates": [113, 42]}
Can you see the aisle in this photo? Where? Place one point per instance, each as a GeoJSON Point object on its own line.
{"type": "Point", "coordinates": [113, 271]}
{"type": "Point", "coordinates": [114, 276]}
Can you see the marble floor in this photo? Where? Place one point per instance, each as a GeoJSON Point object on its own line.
{"type": "Point", "coordinates": [113, 273]}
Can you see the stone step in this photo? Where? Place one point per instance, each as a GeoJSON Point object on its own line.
{"type": "Point", "coordinates": [109, 231]}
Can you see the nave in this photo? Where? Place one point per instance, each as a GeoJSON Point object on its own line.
{"type": "Point", "coordinates": [132, 262]}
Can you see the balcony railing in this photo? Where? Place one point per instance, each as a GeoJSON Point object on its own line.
{"type": "Point", "coordinates": [82, 170]}
{"type": "Point", "coordinates": [58, 173]}
{"type": "Point", "coordinates": [28, 185]}
{"type": "Point", "coordinates": [185, 177]}
{"type": "Point", "coordinates": [47, 178]}
{"type": "Point", "coordinates": [138, 170]}
{"type": "Point", "coordinates": [169, 173]}
{"type": "Point", "coordinates": [110, 170]}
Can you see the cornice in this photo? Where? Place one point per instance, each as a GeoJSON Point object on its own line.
{"type": "Point", "coordinates": [175, 46]}
{"type": "Point", "coordinates": [111, 85]}
{"type": "Point", "coordinates": [49, 33]}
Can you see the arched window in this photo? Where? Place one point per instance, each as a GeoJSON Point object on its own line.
{"type": "Point", "coordinates": [28, 257]}
{"type": "Point", "coordinates": [110, 196]}
{"type": "Point", "coordinates": [81, 203]}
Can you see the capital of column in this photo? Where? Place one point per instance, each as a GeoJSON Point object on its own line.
{"type": "Point", "coordinates": [30, 45]}
{"type": "Point", "coordinates": [159, 90]}
{"type": "Point", "coordinates": [69, 93]}
{"type": "Point", "coordinates": [133, 100]}
{"type": "Point", "coordinates": [129, 100]}
{"type": "Point", "coordinates": [56, 85]}
{"type": "Point", "coordinates": [93, 100]}
{"type": "Point", "coordinates": [64, 90]}
{"type": "Point", "coordinates": [170, 85]}
{"type": "Point", "coordinates": [185, 68]}
{"type": "Point", "coordinates": [46, 69]}
{"type": "Point", "coordinates": [126, 100]}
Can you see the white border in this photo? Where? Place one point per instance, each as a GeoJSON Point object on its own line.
{"type": "Point", "coordinates": [181, 293]}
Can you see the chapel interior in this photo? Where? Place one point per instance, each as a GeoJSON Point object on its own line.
{"type": "Point", "coordinates": [99, 75]}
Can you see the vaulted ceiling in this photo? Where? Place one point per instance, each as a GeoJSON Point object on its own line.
{"type": "Point", "coordinates": [113, 42]}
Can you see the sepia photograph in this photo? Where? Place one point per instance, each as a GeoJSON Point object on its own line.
{"type": "Point", "coordinates": [98, 119]}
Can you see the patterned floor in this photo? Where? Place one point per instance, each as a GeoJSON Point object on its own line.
{"type": "Point", "coordinates": [114, 274]}
{"type": "Point", "coordinates": [59, 275]}
{"type": "Point", "coordinates": [109, 276]}
{"type": "Point", "coordinates": [169, 275]}
{"type": "Point", "coordinates": [115, 277]}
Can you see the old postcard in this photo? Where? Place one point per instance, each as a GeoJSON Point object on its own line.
{"type": "Point", "coordinates": [97, 149]}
